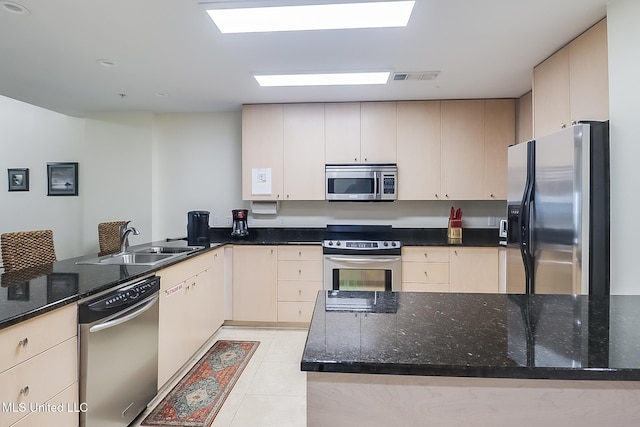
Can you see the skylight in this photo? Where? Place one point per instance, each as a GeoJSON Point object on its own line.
{"type": "Point", "coordinates": [328, 79]}
{"type": "Point", "coordinates": [313, 17]}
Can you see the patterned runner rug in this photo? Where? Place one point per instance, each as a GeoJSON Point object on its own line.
{"type": "Point", "coordinates": [197, 398]}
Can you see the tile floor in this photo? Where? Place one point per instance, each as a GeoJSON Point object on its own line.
{"type": "Point", "coordinates": [271, 392]}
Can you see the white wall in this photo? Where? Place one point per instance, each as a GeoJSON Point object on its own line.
{"type": "Point", "coordinates": [29, 138]}
{"type": "Point", "coordinates": [197, 167]}
{"type": "Point", "coordinates": [118, 174]}
{"type": "Point", "coordinates": [623, 17]}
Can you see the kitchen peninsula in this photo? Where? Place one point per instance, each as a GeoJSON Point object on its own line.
{"type": "Point", "coordinates": [408, 359]}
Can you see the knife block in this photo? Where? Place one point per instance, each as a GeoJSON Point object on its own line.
{"type": "Point", "coordinates": [454, 231]}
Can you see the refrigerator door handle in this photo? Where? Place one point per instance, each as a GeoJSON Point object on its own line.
{"type": "Point", "coordinates": [525, 221]}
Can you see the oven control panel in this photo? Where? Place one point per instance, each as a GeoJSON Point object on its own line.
{"type": "Point", "coordinates": [362, 244]}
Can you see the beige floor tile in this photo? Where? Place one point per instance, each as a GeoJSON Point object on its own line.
{"type": "Point", "coordinates": [286, 346]}
{"type": "Point", "coordinates": [271, 411]}
{"type": "Point", "coordinates": [279, 379]}
{"type": "Point", "coordinates": [225, 416]}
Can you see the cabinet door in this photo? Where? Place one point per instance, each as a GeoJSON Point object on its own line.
{"type": "Point", "coordinates": [217, 278]}
{"type": "Point", "coordinates": [304, 152]}
{"type": "Point", "coordinates": [463, 150]}
{"type": "Point", "coordinates": [551, 103]}
{"type": "Point", "coordinates": [473, 270]}
{"type": "Point", "coordinates": [378, 132]}
{"type": "Point", "coordinates": [499, 133]}
{"type": "Point", "coordinates": [200, 326]}
{"type": "Point", "coordinates": [588, 75]}
{"type": "Point", "coordinates": [342, 133]}
{"type": "Point", "coordinates": [262, 148]}
{"type": "Point", "coordinates": [173, 335]}
{"type": "Point", "coordinates": [418, 150]}
{"type": "Point", "coordinates": [255, 283]}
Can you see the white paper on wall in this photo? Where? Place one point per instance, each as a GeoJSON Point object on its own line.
{"type": "Point", "coordinates": [260, 181]}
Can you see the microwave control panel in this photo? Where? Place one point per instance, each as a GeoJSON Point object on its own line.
{"type": "Point", "coordinates": [388, 184]}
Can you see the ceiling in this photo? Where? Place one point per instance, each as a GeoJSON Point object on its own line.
{"type": "Point", "coordinates": [170, 57]}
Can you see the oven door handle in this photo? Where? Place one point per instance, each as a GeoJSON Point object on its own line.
{"type": "Point", "coordinates": [364, 260]}
{"type": "Point", "coordinates": [127, 315]}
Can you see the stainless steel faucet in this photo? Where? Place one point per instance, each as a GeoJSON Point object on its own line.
{"type": "Point", "coordinates": [125, 230]}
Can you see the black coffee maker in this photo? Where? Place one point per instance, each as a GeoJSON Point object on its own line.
{"type": "Point", "coordinates": [239, 228]}
{"type": "Point", "coordinates": [198, 228]}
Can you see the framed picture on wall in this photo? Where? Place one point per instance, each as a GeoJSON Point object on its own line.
{"type": "Point", "coordinates": [18, 179]}
{"type": "Point", "coordinates": [63, 179]}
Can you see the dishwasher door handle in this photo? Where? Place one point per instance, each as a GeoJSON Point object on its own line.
{"type": "Point", "coordinates": [126, 317]}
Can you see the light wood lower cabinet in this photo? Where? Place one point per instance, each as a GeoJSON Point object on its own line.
{"type": "Point", "coordinates": [255, 283]}
{"type": "Point", "coordinates": [191, 310]}
{"type": "Point", "coordinates": [299, 280]}
{"type": "Point", "coordinates": [450, 269]}
{"type": "Point", "coordinates": [474, 269]}
{"type": "Point", "coordinates": [40, 365]}
{"type": "Point", "coordinates": [425, 269]}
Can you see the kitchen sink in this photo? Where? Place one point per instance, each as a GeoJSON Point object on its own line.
{"type": "Point", "coordinates": [144, 256]}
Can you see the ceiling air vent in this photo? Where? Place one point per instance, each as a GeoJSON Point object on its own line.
{"type": "Point", "coordinates": [416, 75]}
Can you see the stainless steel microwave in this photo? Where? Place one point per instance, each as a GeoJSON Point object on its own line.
{"type": "Point", "coordinates": [361, 182]}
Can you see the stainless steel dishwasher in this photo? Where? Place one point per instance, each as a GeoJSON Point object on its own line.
{"type": "Point", "coordinates": [118, 353]}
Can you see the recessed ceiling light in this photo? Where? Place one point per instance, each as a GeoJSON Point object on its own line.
{"type": "Point", "coordinates": [313, 17]}
{"type": "Point", "coordinates": [107, 63]}
{"type": "Point", "coordinates": [13, 7]}
{"type": "Point", "coordinates": [328, 79]}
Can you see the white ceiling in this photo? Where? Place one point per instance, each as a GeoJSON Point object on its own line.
{"type": "Point", "coordinates": [482, 48]}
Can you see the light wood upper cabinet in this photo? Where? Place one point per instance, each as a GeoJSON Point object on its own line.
{"type": "Point", "coordinates": [262, 147]}
{"type": "Point", "coordinates": [304, 152]}
{"type": "Point", "coordinates": [462, 145]}
{"type": "Point", "coordinates": [572, 84]}
{"type": "Point", "coordinates": [378, 132]}
{"type": "Point", "coordinates": [499, 133]}
{"type": "Point", "coordinates": [418, 150]}
{"type": "Point", "coordinates": [342, 132]}
{"type": "Point", "coordinates": [360, 132]}
{"type": "Point", "coordinates": [589, 75]}
{"type": "Point", "coordinates": [552, 108]}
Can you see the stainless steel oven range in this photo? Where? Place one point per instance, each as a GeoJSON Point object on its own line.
{"type": "Point", "coordinates": [361, 258]}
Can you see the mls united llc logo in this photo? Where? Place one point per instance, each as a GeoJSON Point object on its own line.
{"type": "Point", "coordinates": [43, 407]}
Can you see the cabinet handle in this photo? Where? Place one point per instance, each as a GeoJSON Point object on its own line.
{"type": "Point", "coordinates": [425, 274]}
{"type": "Point", "coordinates": [299, 313]}
{"type": "Point", "coordinates": [446, 195]}
{"type": "Point", "coordinates": [563, 125]}
{"type": "Point", "coordinates": [25, 391]}
{"type": "Point", "coordinates": [437, 197]}
{"type": "Point", "coordinates": [299, 271]}
{"type": "Point", "coordinates": [355, 159]}
{"type": "Point", "coordinates": [492, 196]}
{"type": "Point", "coordinates": [365, 159]}
{"type": "Point", "coordinates": [299, 253]}
{"type": "Point", "coordinates": [573, 122]}
{"type": "Point", "coordinates": [425, 255]}
{"type": "Point", "coordinates": [455, 252]}
{"type": "Point", "coordinates": [299, 292]}
{"type": "Point", "coordinates": [287, 196]}
{"type": "Point", "coordinates": [23, 342]}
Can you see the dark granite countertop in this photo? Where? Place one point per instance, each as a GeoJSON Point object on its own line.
{"type": "Point", "coordinates": [35, 291]}
{"type": "Point", "coordinates": [408, 236]}
{"type": "Point", "coordinates": [475, 335]}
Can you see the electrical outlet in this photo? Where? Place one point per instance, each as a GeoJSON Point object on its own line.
{"type": "Point", "coordinates": [493, 221]}
{"type": "Point", "coordinates": [228, 220]}
{"type": "Point", "coordinates": [216, 220]}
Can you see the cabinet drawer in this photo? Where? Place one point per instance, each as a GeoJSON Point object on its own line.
{"type": "Point", "coordinates": [39, 378]}
{"type": "Point", "coordinates": [300, 270]}
{"type": "Point", "coordinates": [295, 290]}
{"type": "Point", "coordinates": [69, 417]}
{"type": "Point", "coordinates": [425, 272]}
{"type": "Point", "coordinates": [27, 339]}
{"type": "Point", "coordinates": [177, 273]}
{"type": "Point", "coordinates": [295, 311]}
{"type": "Point", "coordinates": [425, 253]}
{"type": "Point", "coordinates": [300, 253]}
{"type": "Point", "coordinates": [425, 287]}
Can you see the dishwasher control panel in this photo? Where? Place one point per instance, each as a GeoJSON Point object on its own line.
{"type": "Point", "coordinates": [119, 299]}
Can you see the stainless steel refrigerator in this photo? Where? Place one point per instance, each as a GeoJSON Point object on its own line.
{"type": "Point", "coordinates": [558, 212]}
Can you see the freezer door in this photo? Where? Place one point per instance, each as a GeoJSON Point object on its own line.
{"type": "Point", "coordinates": [559, 211]}
{"type": "Point", "coordinates": [516, 180]}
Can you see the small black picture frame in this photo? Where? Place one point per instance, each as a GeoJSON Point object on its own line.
{"type": "Point", "coordinates": [62, 179]}
{"type": "Point", "coordinates": [18, 179]}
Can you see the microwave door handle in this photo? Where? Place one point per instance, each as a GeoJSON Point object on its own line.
{"type": "Point", "coordinates": [377, 190]}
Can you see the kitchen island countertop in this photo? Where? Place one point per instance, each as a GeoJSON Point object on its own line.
{"type": "Point", "coordinates": [563, 337]}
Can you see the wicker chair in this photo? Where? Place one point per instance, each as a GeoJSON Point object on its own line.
{"type": "Point", "coordinates": [109, 237]}
{"type": "Point", "coordinates": [24, 249]}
